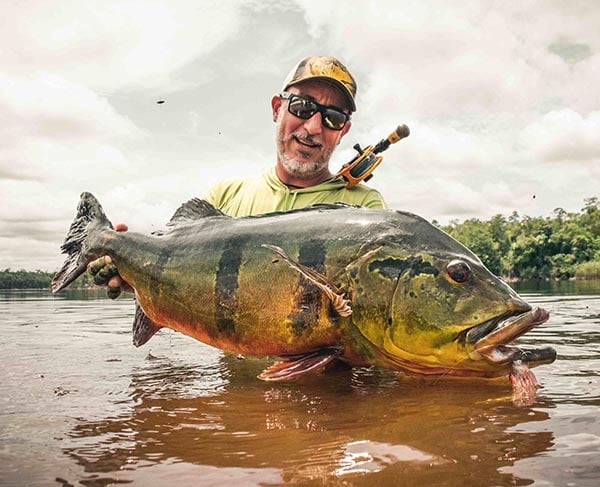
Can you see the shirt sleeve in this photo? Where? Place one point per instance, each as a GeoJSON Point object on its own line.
{"type": "Point", "coordinates": [373, 199]}
{"type": "Point", "coordinates": [222, 192]}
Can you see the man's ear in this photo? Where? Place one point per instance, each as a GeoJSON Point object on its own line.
{"type": "Point", "coordinates": [276, 103]}
{"type": "Point", "coordinates": [346, 129]}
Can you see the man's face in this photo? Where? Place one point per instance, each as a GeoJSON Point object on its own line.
{"type": "Point", "coordinates": [304, 147]}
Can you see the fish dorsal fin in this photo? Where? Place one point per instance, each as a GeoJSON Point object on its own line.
{"type": "Point", "coordinates": [143, 327]}
{"type": "Point", "coordinates": [192, 210]}
{"type": "Point", "coordinates": [338, 300]}
{"type": "Point", "coordinates": [295, 366]}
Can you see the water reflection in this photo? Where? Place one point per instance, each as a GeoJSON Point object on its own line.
{"type": "Point", "coordinates": [365, 426]}
{"type": "Point", "coordinates": [557, 288]}
{"type": "Point", "coordinates": [82, 406]}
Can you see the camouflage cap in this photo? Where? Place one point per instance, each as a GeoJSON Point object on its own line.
{"type": "Point", "coordinates": [326, 68]}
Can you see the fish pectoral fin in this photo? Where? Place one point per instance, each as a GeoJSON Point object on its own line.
{"type": "Point", "coordinates": [337, 297]}
{"type": "Point", "coordinates": [143, 327]}
{"type": "Point", "coordinates": [296, 366]}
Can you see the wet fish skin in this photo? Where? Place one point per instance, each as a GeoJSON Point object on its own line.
{"type": "Point", "coordinates": [222, 281]}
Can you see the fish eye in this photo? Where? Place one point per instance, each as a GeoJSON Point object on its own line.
{"type": "Point", "coordinates": [458, 271]}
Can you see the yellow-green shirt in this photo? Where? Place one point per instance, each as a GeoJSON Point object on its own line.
{"type": "Point", "coordinates": [265, 193]}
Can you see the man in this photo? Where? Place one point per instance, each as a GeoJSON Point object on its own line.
{"type": "Point", "coordinates": [312, 114]}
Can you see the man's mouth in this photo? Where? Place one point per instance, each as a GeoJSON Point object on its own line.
{"type": "Point", "coordinates": [306, 142]}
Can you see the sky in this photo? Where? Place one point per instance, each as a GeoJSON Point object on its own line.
{"type": "Point", "coordinates": [501, 98]}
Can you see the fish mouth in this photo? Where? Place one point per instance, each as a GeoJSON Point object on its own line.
{"type": "Point", "coordinates": [491, 340]}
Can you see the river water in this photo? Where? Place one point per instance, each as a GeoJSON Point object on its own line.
{"type": "Point", "coordinates": [79, 405]}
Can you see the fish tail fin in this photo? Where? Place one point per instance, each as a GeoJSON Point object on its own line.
{"type": "Point", "coordinates": [89, 220]}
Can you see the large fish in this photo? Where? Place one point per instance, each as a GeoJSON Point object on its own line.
{"type": "Point", "coordinates": [329, 282]}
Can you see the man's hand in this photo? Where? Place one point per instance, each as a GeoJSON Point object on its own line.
{"type": "Point", "coordinates": [104, 272]}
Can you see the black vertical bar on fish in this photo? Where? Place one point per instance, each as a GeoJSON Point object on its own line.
{"type": "Point", "coordinates": [308, 297]}
{"type": "Point", "coordinates": [154, 280]}
{"type": "Point", "coordinates": [226, 284]}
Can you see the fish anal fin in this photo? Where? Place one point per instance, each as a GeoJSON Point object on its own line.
{"type": "Point", "coordinates": [143, 327]}
{"type": "Point", "coordinates": [337, 297]}
{"type": "Point", "coordinates": [295, 366]}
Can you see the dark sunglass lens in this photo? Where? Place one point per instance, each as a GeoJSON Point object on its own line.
{"type": "Point", "coordinates": [301, 107]}
{"type": "Point", "coordinates": [333, 119]}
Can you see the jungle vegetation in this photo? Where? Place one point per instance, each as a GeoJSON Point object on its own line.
{"type": "Point", "coordinates": [563, 246]}
{"type": "Point", "coordinates": [36, 280]}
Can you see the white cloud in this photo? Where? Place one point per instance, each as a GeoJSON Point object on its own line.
{"type": "Point", "coordinates": [112, 44]}
{"type": "Point", "coordinates": [564, 135]}
{"type": "Point", "coordinates": [427, 59]}
{"type": "Point", "coordinates": [49, 106]}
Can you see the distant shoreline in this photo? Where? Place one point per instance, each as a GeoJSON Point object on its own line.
{"type": "Point", "coordinates": [20, 280]}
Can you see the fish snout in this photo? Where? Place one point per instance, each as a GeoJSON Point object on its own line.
{"type": "Point", "coordinates": [492, 340]}
{"type": "Point", "coordinates": [518, 305]}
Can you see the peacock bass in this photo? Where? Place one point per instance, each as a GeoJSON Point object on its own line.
{"type": "Point", "coordinates": [325, 283]}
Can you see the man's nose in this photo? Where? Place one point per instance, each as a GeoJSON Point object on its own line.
{"type": "Point", "coordinates": [314, 125]}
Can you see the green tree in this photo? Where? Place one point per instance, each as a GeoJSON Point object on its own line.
{"type": "Point", "coordinates": [524, 247]}
{"type": "Point", "coordinates": [479, 237]}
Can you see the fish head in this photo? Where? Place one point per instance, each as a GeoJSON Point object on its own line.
{"type": "Point", "coordinates": [443, 313]}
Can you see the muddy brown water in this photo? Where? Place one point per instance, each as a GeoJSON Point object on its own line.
{"type": "Point", "coordinates": [79, 405]}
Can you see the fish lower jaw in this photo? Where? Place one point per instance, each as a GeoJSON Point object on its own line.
{"type": "Point", "coordinates": [498, 355]}
{"type": "Point", "coordinates": [507, 355]}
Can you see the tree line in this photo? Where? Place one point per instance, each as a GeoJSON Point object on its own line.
{"type": "Point", "coordinates": [35, 280]}
{"type": "Point", "coordinates": [563, 246]}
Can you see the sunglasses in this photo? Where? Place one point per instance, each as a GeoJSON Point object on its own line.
{"type": "Point", "coordinates": [301, 107]}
